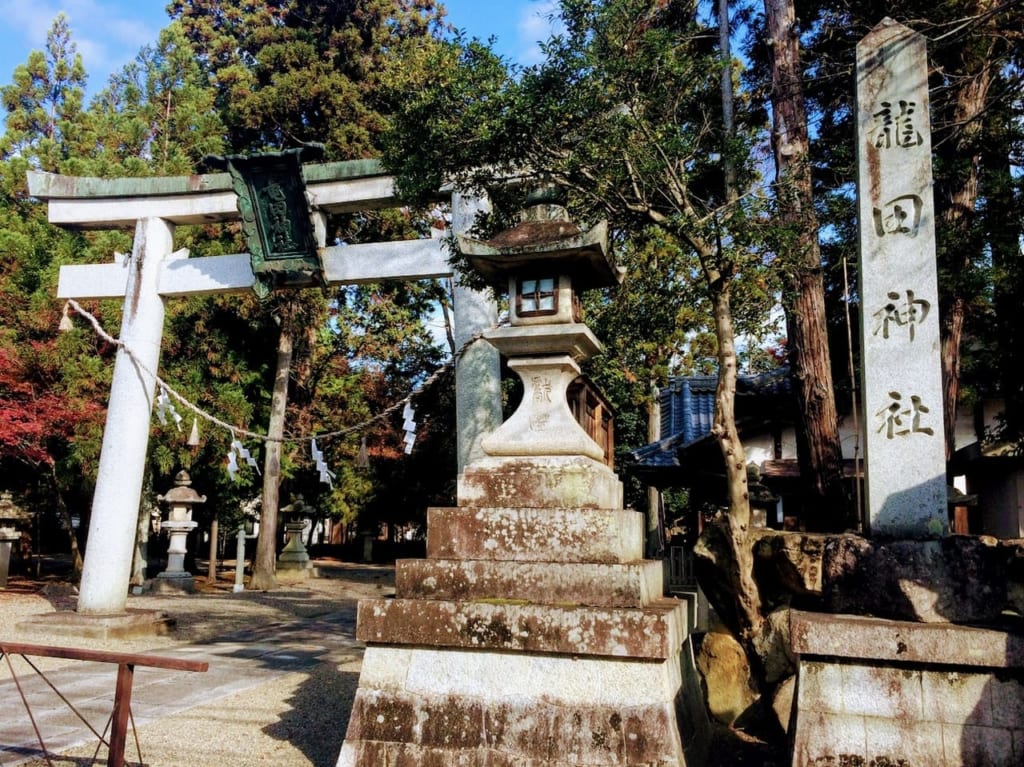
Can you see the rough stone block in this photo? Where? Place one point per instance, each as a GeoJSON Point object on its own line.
{"type": "Point", "coordinates": [829, 739]}
{"type": "Point", "coordinates": [566, 583]}
{"type": "Point", "coordinates": [535, 535]}
{"type": "Point", "coordinates": [956, 697]}
{"type": "Point", "coordinates": [483, 733]}
{"type": "Point", "coordinates": [794, 559]}
{"type": "Point", "coordinates": [385, 668]}
{"type": "Point", "coordinates": [820, 688]}
{"type": "Point", "coordinates": [782, 702]}
{"type": "Point", "coordinates": [1007, 693]}
{"type": "Point", "coordinates": [723, 665]}
{"type": "Point", "coordinates": [970, 744]}
{"type": "Point", "coordinates": [957, 579]}
{"type": "Point", "coordinates": [855, 636]}
{"type": "Point", "coordinates": [130, 623]}
{"type": "Point", "coordinates": [934, 694]}
{"type": "Point", "coordinates": [879, 691]}
{"type": "Point", "coordinates": [484, 675]}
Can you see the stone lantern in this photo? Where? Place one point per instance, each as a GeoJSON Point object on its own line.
{"type": "Point", "coordinates": [10, 516]}
{"type": "Point", "coordinates": [543, 457]}
{"type": "Point", "coordinates": [534, 605]}
{"type": "Point", "coordinates": [179, 499]}
{"type": "Point", "coordinates": [294, 559]}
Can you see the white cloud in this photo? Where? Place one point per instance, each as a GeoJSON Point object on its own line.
{"type": "Point", "coordinates": [27, 22]}
{"type": "Point", "coordinates": [537, 22]}
{"type": "Point", "coordinates": [107, 33]}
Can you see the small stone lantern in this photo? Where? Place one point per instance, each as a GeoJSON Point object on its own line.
{"type": "Point", "coordinates": [547, 459]}
{"type": "Point", "coordinates": [10, 516]}
{"type": "Point", "coordinates": [179, 499]}
{"type": "Point", "coordinates": [294, 559]}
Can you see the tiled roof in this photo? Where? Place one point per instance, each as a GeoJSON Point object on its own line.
{"type": "Point", "coordinates": [688, 408]}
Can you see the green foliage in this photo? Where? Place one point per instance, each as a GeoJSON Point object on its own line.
{"type": "Point", "coordinates": [44, 104]}
{"type": "Point", "coordinates": [156, 116]}
{"type": "Point", "coordinates": [216, 82]}
{"type": "Point", "coordinates": [292, 71]}
{"type": "Point", "coordinates": [624, 115]}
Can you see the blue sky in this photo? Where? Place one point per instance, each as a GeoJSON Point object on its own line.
{"type": "Point", "coordinates": [109, 33]}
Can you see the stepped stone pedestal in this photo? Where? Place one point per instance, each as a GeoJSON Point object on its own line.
{"type": "Point", "coordinates": [529, 636]}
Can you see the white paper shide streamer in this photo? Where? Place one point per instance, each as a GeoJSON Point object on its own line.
{"type": "Point", "coordinates": [326, 475]}
{"type": "Point", "coordinates": [409, 426]}
{"type": "Point", "coordinates": [238, 451]}
{"type": "Point", "coordinates": [165, 408]}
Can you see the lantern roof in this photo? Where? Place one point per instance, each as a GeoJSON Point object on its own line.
{"type": "Point", "coordinates": [545, 241]}
{"type": "Point", "coordinates": [182, 491]}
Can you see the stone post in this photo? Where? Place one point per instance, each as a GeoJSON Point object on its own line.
{"type": "Point", "coordinates": [108, 556]}
{"type": "Point", "coordinates": [901, 368]}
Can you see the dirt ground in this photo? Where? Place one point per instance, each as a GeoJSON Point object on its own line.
{"type": "Point", "coordinates": [296, 720]}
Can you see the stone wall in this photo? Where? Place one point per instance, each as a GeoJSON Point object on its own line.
{"type": "Point", "coordinates": [881, 693]}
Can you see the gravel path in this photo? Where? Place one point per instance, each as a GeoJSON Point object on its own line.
{"type": "Point", "coordinates": [297, 718]}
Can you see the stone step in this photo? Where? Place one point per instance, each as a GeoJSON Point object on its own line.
{"type": "Point", "coordinates": [539, 482]}
{"type": "Point", "coordinates": [555, 583]}
{"type": "Point", "coordinates": [535, 535]}
{"type": "Point", "coordinates": [654, 631]}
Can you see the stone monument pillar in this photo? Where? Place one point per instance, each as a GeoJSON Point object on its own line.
{"type": "Point", "coordinates": [180, 499]}
{"type": "Point", "coordinates": [900, 347]}
{"type": "Point", "coordinates": [917, 661]}
{"type": "Point", "coordinates": [534, 633]}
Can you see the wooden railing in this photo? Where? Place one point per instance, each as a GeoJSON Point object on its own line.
{"type": "Point", "coordinates": [121, 712]}
{"type": "Point", "coordinates": [592, 411]}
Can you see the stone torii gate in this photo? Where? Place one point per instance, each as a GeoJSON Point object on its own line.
{"type": "Point", "coordinates": [155, 273]}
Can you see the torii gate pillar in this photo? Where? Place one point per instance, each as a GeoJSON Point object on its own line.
{"type": "Point", "coordinates": [478, 371]}
{"type": "Point", "coordinates": [107, 569]}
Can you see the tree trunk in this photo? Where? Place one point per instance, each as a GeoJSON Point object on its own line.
{"type": "Point", "coordinates": [655, 546]}
{"type": "Point", "coordinates": [956, 201]}
{"type": "Point", "coordinates": [724, 557]}
{"type": "Point", "coordinates": [724, 552]}
{"type": "Point", "coordinates": [265, 560]}
{"type": "Point", "coordinates": [821, 459]}
{"type": "Point", "coordinates": [65, 521]}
